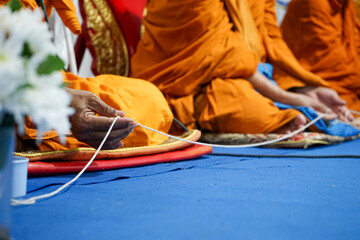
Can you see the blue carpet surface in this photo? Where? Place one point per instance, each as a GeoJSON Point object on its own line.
{"type": "Point", "coordinates": [212, 197]}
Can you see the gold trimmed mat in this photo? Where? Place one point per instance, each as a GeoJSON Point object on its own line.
{"type": "Point", "coordinates": [79, 154]}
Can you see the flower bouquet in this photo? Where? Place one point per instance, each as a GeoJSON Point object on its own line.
{"type": "Point", "coordinates": [31, 84]}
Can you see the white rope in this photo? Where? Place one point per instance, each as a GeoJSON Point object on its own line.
{"type": "Point", "coordinates": [241, 145]}
{"type": "Point", "coordinates": [30, 201]}
{"type": "Point", "coordinates": [33, 200]}
{"type": "Point", "coordinates": [355, 112]}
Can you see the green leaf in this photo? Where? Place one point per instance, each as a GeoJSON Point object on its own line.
{"type": "Point", "coordinates": [14, 5]}
{"type": "Point", "coordinates": [26, 52]}
{"type": "Point", "coordinates": [50, 64]}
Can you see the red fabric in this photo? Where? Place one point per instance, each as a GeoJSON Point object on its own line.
{"type": "Point", "coordinates": [39, 168]}
{"type": "Point", "coordinates": [129, 14]}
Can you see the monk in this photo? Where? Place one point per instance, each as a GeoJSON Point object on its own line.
{"type": "Point", "coordinates": [204, 54]}
{"type": "Point", "coordinates": [324, 37]}
{"type": "Point", "coordinates": [98, 100]}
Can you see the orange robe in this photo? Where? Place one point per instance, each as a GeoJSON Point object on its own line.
{"type": "Point", "coordinates": [199, 58]}
{"type": "Point", "coordinates": [140, 100]}
{"type": "Point", "coordinates": [357, 9]}
{"type": "Point", "coordinates": [324, 36]}
{"type": "Point", "coordinates": [65, 8]}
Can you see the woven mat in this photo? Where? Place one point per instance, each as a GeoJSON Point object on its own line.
{"type": "Point", "coordinates": [301, 140]}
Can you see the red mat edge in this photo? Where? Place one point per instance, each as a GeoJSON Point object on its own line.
{"type": "Point", "coordinates": [38, 168]}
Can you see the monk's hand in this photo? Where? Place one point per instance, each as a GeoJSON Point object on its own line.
{"type": "Point", "coordinates": [275, 93]}
{"type": "Point", "coordinates": [306, 101]}
{"type": "Point", "coordinates": [329, 98]}
{"type": "Point", "coordinates": [91, 129]}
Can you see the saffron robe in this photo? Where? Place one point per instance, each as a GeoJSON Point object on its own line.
{"type": "Point", "coordinates": [140, 100]}
{"type": "Point", "coordinates": [324, 36]}
{"type": "Point", "coordinates": [199, 53]}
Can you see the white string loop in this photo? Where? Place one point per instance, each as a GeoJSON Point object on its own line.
{"type": "Point", "coordinates": [242, 145]}
{"type": "Point", "coordinates": [30, 201]}
{"type": "Point", "coordinates": [355, 112]}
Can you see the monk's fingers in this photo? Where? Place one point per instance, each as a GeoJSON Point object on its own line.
{"type": "Point", "coordinates": [120, 113]}
{"type": "Point", "coordinates": [335, 99]}
{"type": "Point", "coordinates": [107, 145]}
{"type": "Point", "coordinates": [113, 140]}
{"type": "Point", "coordinates": [320, 107]}
{"type": "Point", "coordinates": [112, 145]}
{"type": "Point", "coordinates": [349, 116]}
{"type": "Point", "coordinates": [329, 116]}
{"type": "Point", "coordinates": [100, 107]}
{"type": "Point", "coordinates": [329, 97]}
{"type": "Point", "coordinates": [100, 123]}
{"type": "Point", "coordinates": [117, 134]}
{"type": "Point", "coordinates": [343, 114]}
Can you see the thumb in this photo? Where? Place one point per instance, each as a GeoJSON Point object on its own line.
{"type": "Point", "coordinates": [338, 101]}
{"type": "Point", "coordinates": [320, 107]}
{"type": "Point", "coordinates": [103, 109]}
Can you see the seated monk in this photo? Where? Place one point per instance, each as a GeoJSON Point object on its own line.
{"type": "Point", "coordinates": [98, 100]}
{"type": "Point", "coordinates": [324, 37]}
{"type": "Point", "coordinates": [204, 54]}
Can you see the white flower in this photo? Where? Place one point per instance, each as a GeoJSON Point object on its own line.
{"type": "Point", "coordinates": [31, 28]}
{"type": "Point", "coordinates": [56, 79]}
{"type": "Point", "coordinates": [11, 65]}
{"type": "Point", "coordinates": [48, 106]}
{"type": "Point", "coordinates": [5, 19]}
{"type": "Point", "coordinates": [23, 92]}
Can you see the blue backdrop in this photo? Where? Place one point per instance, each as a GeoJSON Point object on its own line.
{"type": "Point", "coordinates": [212, 197]}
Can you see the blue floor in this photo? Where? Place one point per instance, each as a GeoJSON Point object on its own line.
{"type": "Point", "coordinates": [212, 197]}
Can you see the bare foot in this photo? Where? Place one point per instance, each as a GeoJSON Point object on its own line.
{"type": "Point", "coordinates": [294, 125]}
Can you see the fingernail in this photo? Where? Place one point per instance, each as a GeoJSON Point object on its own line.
{"type": "Point", "coordinates": [119, 113]}
{"type": "Point", "coordinates": [133, 124]}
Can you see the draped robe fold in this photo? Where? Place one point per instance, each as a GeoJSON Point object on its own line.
{"type": "Point", "coordinates": [200, 52]}
{"type": "Point", "coordinates": [324, 36]}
